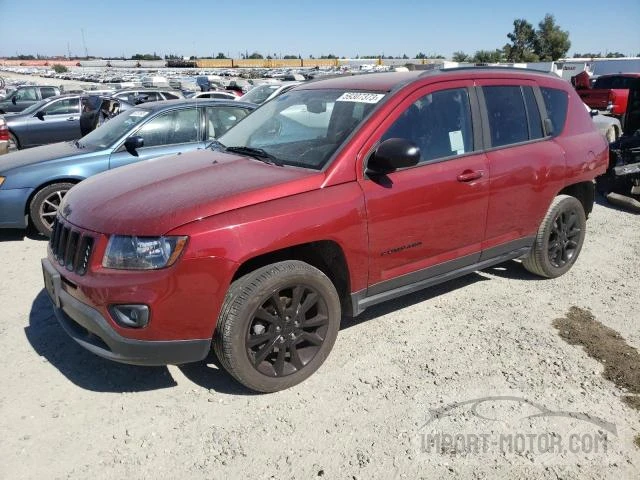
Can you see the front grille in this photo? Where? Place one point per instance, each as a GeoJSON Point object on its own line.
{"type": "Point", "coordinates": [71, 248]}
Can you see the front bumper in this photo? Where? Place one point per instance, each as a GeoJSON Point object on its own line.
{"type": "Point", "coordinates": [13, 204]}
{"type": "Point", "coordinates": [91, 330]}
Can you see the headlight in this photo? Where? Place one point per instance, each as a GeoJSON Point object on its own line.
{"type": "Point", "coordinates": [142, 253]}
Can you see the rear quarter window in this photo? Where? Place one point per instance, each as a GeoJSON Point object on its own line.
{"type": "Point", "coordinates": [47, 92]}
{"type": "Point", "coordinates": [556, 102]}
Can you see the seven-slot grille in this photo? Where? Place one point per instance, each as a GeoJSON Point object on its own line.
{"type": "Point", "coordinates": [70, 248]}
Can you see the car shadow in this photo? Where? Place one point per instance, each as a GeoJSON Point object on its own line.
{"type": "Point", "coordinates": [94, 373]}
{"type": "Point", "coordinates": [82, 367]}
{"type": "Point", "coordinates": [411, 299]}
{"type": "Point", "coordinates": [18, 234]}
{"type": "Point", "coordinates": [512, 269]}
{"type": "Point", "coordinates": [210, 374]}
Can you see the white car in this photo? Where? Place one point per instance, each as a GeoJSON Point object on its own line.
{"type": "Point", "coordinates": [610, 127]}
{"type": "Point", "coordinates": [267, 91]}
{"type": "Point", "coordinates": [219, 94]}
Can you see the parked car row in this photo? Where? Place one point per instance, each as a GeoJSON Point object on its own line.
{"type": "Point", "coordinates": [60, 118]}
{"type": "Point", "coordinates": [34, 181]}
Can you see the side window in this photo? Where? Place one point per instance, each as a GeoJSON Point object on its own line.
{"type": "Point", "coordinates": [221, 119]}
{"type": "Point", "coordinates": [170, 96]}
{"type": "Point", "coordinates": [507, 115]}
{"type": "Point", "coordinates": [556, 102]}
{"type": "Point", "coordinates": [66, 106]}
{"type": "Point", "coordinates": [46, 92]}
{"type": "Point", "coordinates": [533, 113]}
{"type": "Point", "coordinates": [26, 94]}
{"type": "Point", "coordinates": [179, 126]}
{"type": "Point", "coordinates": [438, 123]}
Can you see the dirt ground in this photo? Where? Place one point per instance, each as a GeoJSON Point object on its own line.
{"type": "Point", "coordinates": [466, 380]}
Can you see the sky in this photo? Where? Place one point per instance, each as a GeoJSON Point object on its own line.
{"type": "Point", "coordinates": [116, 28]}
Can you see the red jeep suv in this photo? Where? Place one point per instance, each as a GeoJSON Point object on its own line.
{"type": "Point", "coordinates": [335, 196]}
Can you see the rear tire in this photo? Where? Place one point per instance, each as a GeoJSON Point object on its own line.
{"type": "Point", "coordinates": [14, 145]}
{"type": "Point", "coordinates": [610, 135]}
{"type": "Point", "coordinates": [559, 238]}
{"type": "Point", "coordinates": [44, 206]}
{"type": "Point", "coordinates": [277, 325]}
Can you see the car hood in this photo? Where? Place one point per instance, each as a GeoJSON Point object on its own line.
{"type": "Point", "coordinates": [155, 196]}
{"type": "Point", "coordinates": [31, 156]}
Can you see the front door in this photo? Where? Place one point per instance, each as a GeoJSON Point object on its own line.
{"type": "Point", "coordinates": [171, 132]}
{"type": "Point", "coordinates": [428, 219]}
{"type": "Point", "coordinates": [60, 122]}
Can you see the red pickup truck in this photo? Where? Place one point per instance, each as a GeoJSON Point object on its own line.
{"type": "Point", "coordinates": [609, 92]}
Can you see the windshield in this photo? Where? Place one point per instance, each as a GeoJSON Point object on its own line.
{"type": "Point", "coordinates": [114, 129]}
{"type": "Point", "coordinates": [303, 127]}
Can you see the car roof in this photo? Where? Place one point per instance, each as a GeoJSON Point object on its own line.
{"type": "Point", "coordinates": [388, 81]}
{"type": "Point", "coordinates": [145, 89]}
{"type": "Point", "coordinates": [163, 104]}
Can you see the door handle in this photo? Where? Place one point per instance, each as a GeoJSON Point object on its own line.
{"type": "Point", "coordinates": [71, 119]}
{"type": "Point", "coordinates": [470, 175]}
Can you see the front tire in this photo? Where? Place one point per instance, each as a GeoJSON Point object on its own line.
{"type": "Point", "coordinates": [559, 238]}
{"type": "Point", "coordinates": [44, 206]}
{"type": "Point", "coordinates": [277, 325]}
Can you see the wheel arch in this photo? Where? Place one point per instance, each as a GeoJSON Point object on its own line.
{"type": "Point", "coordinates": [325, 255]}
{"type": "Point", "coordinates": [74, 180]}
{"type": "Point", "coordinates": [584, 192]}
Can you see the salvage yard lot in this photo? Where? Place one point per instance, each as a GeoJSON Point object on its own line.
{"type": "Point", "coordinates": [65, 413]}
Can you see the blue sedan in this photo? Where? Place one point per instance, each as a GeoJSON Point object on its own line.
{"type": "Point", "coordinates": [34, 181]}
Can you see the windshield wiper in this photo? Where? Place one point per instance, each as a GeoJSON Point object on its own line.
{"type": "Point", "coordinates": [257, 153]}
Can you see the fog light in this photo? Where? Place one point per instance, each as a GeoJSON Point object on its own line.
{"type": "Point", "coordinates": [130, 316]}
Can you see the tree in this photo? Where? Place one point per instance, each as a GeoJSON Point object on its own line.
{"type": "Point", "coordinates": [615, 55]}
{"type": "Point", "coordinates": [290, 57]}
{"type": "Point", "coordinates": [221, 56]}
{"type": "Point", "coordinates": [523, 42]}
{"type": "Point", "coordinates": [460, 56]}
{"type": "Point", "coordinates": [255, 56]}
{"type": "Point", "coordinates": [58, 68]}
{"type": "Point", "coordinates": [487, 56]}
{"type": "Point", "coordinates": [552, 43]}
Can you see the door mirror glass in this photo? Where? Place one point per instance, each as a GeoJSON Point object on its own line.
{"type": "Point", "coordinates": [391, 155]}
{"type": "Point", "coordinates": [131, 144]}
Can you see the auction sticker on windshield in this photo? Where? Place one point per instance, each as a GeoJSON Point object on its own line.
{"type": "Point", "coordinates": [139, 113]}
{"type": "Point", "coordinates": [360, 97]}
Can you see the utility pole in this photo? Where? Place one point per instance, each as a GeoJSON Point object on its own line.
{"type": "Point", "coordinates": [84, 44]}
{"type": "Point", "coordinates": [68, 51]}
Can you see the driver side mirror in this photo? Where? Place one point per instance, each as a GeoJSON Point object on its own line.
{"type": "Point", "coordinates": [40, 115]}
{"type": "Point", "coordinates": [391, 155]}
{"type": "Point", "coordinates": [131, 144]}
{"type": "Point", "coordinates": [593, 113]}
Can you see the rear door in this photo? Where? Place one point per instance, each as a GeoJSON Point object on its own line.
{"type": "Point", "coordinates": [526, 165]}
{"type": "Point", "coordinates": [60, 122]}
{"type": "Point", "coordinates": [429, 219]}
{"type": "Point", "coordinates": [168, 132]}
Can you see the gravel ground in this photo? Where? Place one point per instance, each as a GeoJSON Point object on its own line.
{"type": "Point", "coordinates": [386, 403]}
